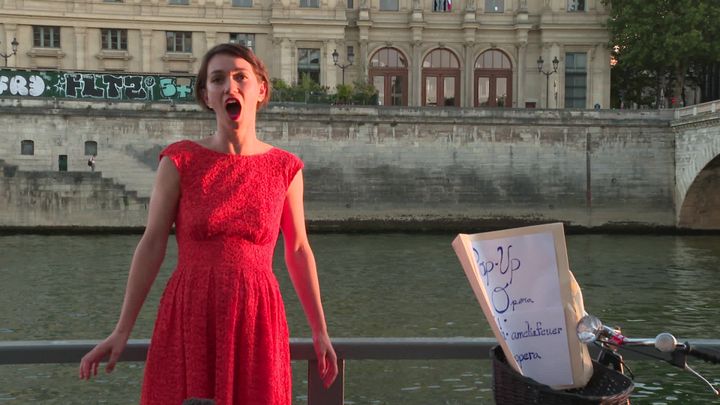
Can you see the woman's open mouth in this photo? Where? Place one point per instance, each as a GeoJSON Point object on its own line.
{"type": "Point", "coordinates": [233, 108]}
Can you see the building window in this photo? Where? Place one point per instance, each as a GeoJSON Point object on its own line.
{"type": "Point", "coordinates": [179, 41]}
{"type": "Point", "coordinates": [242, 3]}
{"type": "Point", "coordinates": [46, 37]}
{"type": "Point", "coordinates": [309, 64]}
{"type": "Point", "coordinates": [243, 39]}
{"type": "Point", "coordinates": [27, 147]}
{"type": "Point", "coordinates": [493, 80]}
{"type": "Point", "coordinates": [310, 3]}
{"type": "Point", "coordinates": [576, 5]}
{"type": "Point", "coordinates": [442, 5]}
{"type": "Point", "coordinates": [90, 148]}
{"type": "Point", "coordinates": [441, 78]}
{"type": "Point", "coordinates": [114, 39]}
{"type": "Point", "coordinates": [179, 2]}
{"type": "Point", "coordinates": [350, 4]}
{"type": "Point", "coordinates": [388, 5]}
{"type": "Point", "coordinates": [389, 75]}
{"type": "Point", "coordinates": [575, 80]}
{"type": "Point", "coordinates": [494, 6]}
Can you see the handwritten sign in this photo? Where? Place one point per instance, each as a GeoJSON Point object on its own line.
{"type": "Point", "coordinates": [522, 281]}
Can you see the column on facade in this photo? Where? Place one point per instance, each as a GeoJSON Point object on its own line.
{"type": "Point", "coordinates": [287, 54]}
{"type": "Point", "coordinates": [330, 71]}
{"type": "Point", "coordinates": [210, 40]}
{"type": "Point", "coordinates": [542, 52]}
{"type": "Point", "coordinates": [364, 60]}
{"type": "Point", "coordinates": [558, 77]}
{"type": "Point", "coordinates": [275, 68]}
{"type": "Point", "coordinates": [136, 7]}
{"type": "Point", "coordinates": [201, 9]}
{"type": "Point", "coordinates": [469, 27]}
{"type": "Point", "coordinates": [415, 90]}
{"type": "Point", "coordinates": [146, 46]}
{"type": "Point", "coordinates": [598, 78]}
{"type": "Point", "coordinates": [80, 47]}
{"type": "Point", "coordinates": [155, 7]}
{"type": "Point", "coordinates": [590, 79]}
{"type": "Point", "coordinates": [468, 86]}
{"type": "Point", "coordinates": [604, 67]}
{"type": "Point", "coordinates": [218, 6]}
{"type": "Point", "coordinates": [522, 72]}
{"type": "Point", "coordinates": [10, 34]}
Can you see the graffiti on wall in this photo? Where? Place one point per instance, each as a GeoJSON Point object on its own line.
{"type": "Point", "coordinates": [95, 86]}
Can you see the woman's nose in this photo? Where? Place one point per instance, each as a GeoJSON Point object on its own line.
{"type": "Point", "coordinates": [231, 86]}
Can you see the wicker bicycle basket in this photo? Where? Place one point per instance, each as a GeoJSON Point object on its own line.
{"type": "Point", "coordinates": [606, 387]}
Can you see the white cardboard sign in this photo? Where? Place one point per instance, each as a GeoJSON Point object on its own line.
{"type": "Point", "coordinates": [520, 277]}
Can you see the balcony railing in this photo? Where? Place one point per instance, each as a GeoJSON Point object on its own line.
{"type": "Point", "coordinates": [710, 107]}
{"type": "Point", "coordinates": [65, 351]}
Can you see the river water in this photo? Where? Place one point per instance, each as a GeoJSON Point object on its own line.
{"type": "Point", "coordinates": [374, 285]}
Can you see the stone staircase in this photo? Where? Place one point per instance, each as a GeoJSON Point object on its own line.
{"type": "Point", "coordinates": [72, 183]}
{"type": "Point", "coordinates": [49, 198]}
{"type": "Point", "coordinates": [126, 170]}
{"type": "Point", "coordinates": [117, 165]}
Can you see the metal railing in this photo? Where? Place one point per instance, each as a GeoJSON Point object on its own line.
{"type": "Point", "coordinates": [71, 351]}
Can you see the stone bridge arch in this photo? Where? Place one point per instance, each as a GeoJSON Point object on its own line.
{"type": "Point", "coordinates": [697, 169]}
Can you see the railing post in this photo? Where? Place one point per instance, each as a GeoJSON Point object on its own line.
{"type": "Point", "coordinates": [317, 394]}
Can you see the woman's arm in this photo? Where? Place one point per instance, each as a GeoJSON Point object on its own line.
{"type": "Point", "coordinates": [303, 273]}
{"type": "Point", "coordinates": [146, 262]}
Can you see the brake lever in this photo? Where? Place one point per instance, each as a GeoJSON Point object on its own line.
{"type": "Point", "coordinates": [679, 359]}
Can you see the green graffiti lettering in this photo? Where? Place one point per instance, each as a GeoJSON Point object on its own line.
{"type": "Point", "coordinates": [167, 86]}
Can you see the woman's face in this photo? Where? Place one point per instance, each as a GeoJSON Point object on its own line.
{"type": "Point", "coordinates": [233, 90]}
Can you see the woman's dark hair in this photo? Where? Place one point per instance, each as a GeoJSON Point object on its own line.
{"type": "Point", "coordinates": [237, 50]}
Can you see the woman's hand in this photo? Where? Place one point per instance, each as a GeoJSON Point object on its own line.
{"type": "Point", "coordinates": [113, 346]}
{"type": "Point", "coordinates": [326, 357]}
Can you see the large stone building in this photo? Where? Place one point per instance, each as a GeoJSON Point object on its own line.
{"type": "Point", "coordinates": [416, 52]}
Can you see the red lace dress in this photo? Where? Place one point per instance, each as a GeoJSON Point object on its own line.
{"type": "Point", "coordinates": [221, 331]}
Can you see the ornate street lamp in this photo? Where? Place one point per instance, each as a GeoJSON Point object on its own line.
{"type": "Point", "coordinates": [14, 44]}
{"type": "Point", "coordinates": [540, 63]}
{"type": "Point", "coordinates": [351, 59]}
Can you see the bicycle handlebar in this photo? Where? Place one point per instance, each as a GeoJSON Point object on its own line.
{"type": "Point", "coordinates": [701, 353]}
{"type": "Point", "coordinates": [590, 329]}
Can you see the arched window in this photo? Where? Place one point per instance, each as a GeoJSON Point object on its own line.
{"type": "Point", "coordinates": [441, 79]}
{"type": "Point", "coordinates": [27, 147]}
{"type": "Point", "coordinates": [493, 80]}
{"type": "Point", "coordinates": [90, 148]}
{"type": "Point", "coordinates": [389, 75]}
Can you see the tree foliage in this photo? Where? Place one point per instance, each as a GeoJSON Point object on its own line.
{"type": "Point", "coordinates": [662, 41]}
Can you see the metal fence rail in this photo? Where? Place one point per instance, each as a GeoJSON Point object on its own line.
{"type": "Point", "coordinates": [71, 351]}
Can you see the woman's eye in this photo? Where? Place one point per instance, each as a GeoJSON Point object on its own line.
{"type": "Point", "coordinates": [216, 80]}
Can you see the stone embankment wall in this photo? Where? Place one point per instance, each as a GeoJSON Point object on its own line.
{"type": "Point", "coordinates": [379, 168]}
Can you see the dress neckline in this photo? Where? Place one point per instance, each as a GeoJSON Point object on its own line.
{"type": "Point", "coordinates": [203, 147]}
